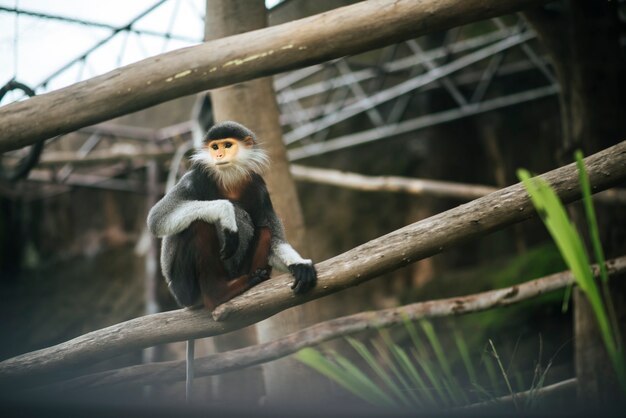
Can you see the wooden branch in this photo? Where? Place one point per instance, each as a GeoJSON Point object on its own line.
{"type": "Point", "coordinates": [399, 248]}
{"type": "Point", "coordinates": [173, 371]}
{"type": "Point", "coordinates": [559, 388]}
{"type": "Point", "coordinates": [315, 39]}
{"type": "Point", "coordinates": [99, 157]}
{"type": "Point", "coordinates": [390, 183]}
{"type": "Point", "coordinates": [414, 186]}
{"type": "Point", "coordinates": [418, 187]}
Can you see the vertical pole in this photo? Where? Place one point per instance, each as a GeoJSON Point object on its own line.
{"type": "Point", "coordinates": [151, 263]}
{"type": "Point", "coordinates": [190, 371]}
{"type": "Point", "coordinates": [253, 104]}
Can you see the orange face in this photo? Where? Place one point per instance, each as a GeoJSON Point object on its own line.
{"type": "Point", "coordinates": [224, 151]}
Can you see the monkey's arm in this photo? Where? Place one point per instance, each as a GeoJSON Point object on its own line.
{"type": "Point", "coordinates": [285, 258]}
{"type": "Point", "coordinates": [260, 257]}
{"type": "Point", "coordinates": [178, 209]}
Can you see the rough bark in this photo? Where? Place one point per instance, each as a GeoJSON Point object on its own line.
{"type": "Point", "coordinates": [347, 30]}
{"type": "Point", "coordinates": [396, 249]}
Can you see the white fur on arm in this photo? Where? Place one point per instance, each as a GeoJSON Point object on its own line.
{"type": "Point", "coordinates": [283, 255]}
{"type": "Point", "coordinates": [211, 211]}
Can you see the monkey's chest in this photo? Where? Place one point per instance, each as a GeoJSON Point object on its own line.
{"type": "Point", "coordinates": [245, 199]}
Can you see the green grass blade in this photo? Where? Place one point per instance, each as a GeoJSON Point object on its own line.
{"type": "Point", "coordinates": [364, 380]}
{"type": "Point", "coordinates": [378, 369]}
{"type": "Point", "coordinates": [567, 295]}
{"type": "Point", "coordinates": [570, 245]}
{"type": "Point", "coordinates": [413, 375]}
{"type": "Point", "coordinates": [491, 372]}
{"type": "Point", "coordinates": [590, 213]}
{"type": "Point", "coordinates": [464, 352]}
{"type": "Point", "coordinates": [596, 244]}
{"type": "Point", "coordinates": [356, 385]}
{"type": "Point", "coordinates": [395, 364]}
{"type": "Point", "coordinates": [562, 231]}
{"type": "Point", "coordinates": [450, 382]}
{"type": "Point", "coordinates": [428, 369]}
{"type": "Point", "coordinates": [504, 374]}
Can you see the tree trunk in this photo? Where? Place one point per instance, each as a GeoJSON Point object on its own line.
{"type": "Point", "coordinates": [224, 18]}
{"type": "Point", "coordinates": [253, 103]}
{"type": "Point", "coordinates": [582, 38]}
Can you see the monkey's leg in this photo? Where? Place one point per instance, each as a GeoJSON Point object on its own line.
{"type": "Point", "coordinates": [260, 251]}
{"type": "Point", "coordinates": [256, 268]}
{"type": "Point", "coordinates": [178, 262]}
{"type": "Point", "coordinates": [211, 275]}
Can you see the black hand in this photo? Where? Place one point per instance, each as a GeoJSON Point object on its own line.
{"type": "Point", "coordinates": [258, 276]}
{"type": "Point", "coordinates": [230, 244]}
{"type": "Point", "coordinates": [305, 277]}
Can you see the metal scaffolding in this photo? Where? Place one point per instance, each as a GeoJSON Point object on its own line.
{"type": "Point", "coordinates": [395, 90]}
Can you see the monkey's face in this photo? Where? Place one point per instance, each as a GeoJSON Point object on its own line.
{"type": "Point", "coordinates": [225, 152]}
{"type": "Point", "coordinates": [231, 160]}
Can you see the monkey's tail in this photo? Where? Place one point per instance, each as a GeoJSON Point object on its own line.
{"type": "Point", "coordinates": [191, 346]}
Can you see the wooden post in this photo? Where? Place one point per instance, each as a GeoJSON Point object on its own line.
{"type": "Point", "coordinates": [253, 103]}
{"type": "Point", "coordinates": [583, 41]}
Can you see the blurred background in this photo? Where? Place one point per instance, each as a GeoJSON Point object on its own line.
{"type": "Point", "coordinates": [469, 105]}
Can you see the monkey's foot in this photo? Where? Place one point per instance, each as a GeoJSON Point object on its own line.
{"type": "Point", "coordinates": [195, 307]}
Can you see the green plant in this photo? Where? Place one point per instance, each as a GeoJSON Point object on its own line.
{"type": "Point", "coordinates": [417, 375]}
{"type": "Point", "coordinates": [570, 245]}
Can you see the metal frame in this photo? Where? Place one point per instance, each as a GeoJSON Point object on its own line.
{"type": "Point", "coordinates": [379, 87]}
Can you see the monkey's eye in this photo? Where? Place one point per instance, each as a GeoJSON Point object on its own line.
{"type": "Point", "coordinates": [228, 144]}
{"type": "Point", "coordinates": [214, 146]}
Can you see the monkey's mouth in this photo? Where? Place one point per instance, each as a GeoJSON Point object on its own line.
{"type": "Point", "coordinates": [223, 163]}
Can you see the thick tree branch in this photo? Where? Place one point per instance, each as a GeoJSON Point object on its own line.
{"type": "Point", "coordinates": [399, 248]}
{"type": "Point", "coordinates": [430, 236]}
{"type": "Point", "coordinates": [343, 31]}
{"type": "Point", "coordinates": [172, 371]}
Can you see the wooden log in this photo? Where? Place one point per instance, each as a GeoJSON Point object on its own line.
{"type": "Point", "coordinates": [173, 371]}
{"type": "Point", "coordinates": [396, 249]}
{"type": "Point", "coordinates": [343, 31]}
{"type": "Point", "coordinates": [396, 184]}
{"type": "Point", "coordinates": [100, 157]}
{"type": "Point", "coordinates": [390, 183]}
{"type": "Point", "coordinates": [415, 186]}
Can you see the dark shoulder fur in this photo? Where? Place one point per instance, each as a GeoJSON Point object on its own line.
{"type": "Point", "coordinates": [200, 184]}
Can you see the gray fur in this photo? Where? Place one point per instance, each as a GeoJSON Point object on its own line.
{"type": "Point", "coordinates": [246, 232]}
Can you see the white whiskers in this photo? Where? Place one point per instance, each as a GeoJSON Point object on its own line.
{"type": "Point", "coordinates": [248, 161]}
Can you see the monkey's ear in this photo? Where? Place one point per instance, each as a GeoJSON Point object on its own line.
{"type": "Point", "coordinates": [248, 142]}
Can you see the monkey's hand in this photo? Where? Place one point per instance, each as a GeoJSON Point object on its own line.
{"type": "Point", "coordinates": [259, 275]}
{"type": "Point", "coordinates": [230, 244]}
{"type": "Point", "coordinates": [305, 277]}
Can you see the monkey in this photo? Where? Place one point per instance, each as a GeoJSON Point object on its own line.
{"type": "Point", "coordinates": [220, 233]}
